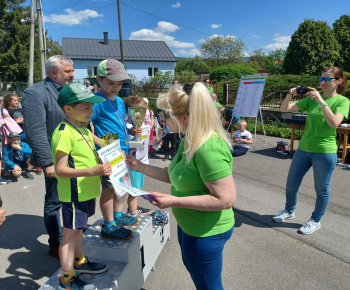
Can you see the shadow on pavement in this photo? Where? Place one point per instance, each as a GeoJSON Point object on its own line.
{"type": "Point", "coordinates": [271, 152]}
{"type": "Point", "coordinates": [257, 220]}
{"type": "Point", "coordinates": [31, 261]}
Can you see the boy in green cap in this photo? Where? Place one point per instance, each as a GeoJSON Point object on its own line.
{"type": "Point", "coordinates": [78, 173]}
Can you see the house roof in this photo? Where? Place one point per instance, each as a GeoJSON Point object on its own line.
{"type": "Point", "coordinates": [134, 50]}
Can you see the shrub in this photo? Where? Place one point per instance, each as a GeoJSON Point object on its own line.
{"type": "Point", "coordinates": [232, 71]}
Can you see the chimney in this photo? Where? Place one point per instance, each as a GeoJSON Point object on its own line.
{"type": "Point", "coordinates": [105, 37]}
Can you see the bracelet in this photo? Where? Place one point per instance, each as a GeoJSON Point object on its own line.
{"type": "Point", "coordinates": [324, 104]}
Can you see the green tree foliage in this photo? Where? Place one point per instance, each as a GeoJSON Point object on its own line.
{"type": "Point", "coordinates": [161, 79]}
{"type": "Point", "coordinates": [342, 34]}
{"type": "Point", "coordinates": [313, 48]}
{"type": "Point", "coordinates": [222, 49]}
{"type": "Point", "coordinates": [14, 39]}
{"type": "Point", "coordinates": [232, 71]}
{"type": "Point", "coordinates": [195, 64]}
{"type": "Point", "coordinates": [186, 77]}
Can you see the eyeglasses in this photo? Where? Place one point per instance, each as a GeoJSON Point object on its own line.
{"type": "Point", "coordinates": [327, 80]}
{"type": "Point", "coordinates": [208, 82]}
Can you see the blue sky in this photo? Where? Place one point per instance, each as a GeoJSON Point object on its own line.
{"type": "Point", "coordinates": [184, 25]}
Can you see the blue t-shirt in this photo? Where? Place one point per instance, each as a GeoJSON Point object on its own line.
{"type": "Point", "coordinates": [105, 119]}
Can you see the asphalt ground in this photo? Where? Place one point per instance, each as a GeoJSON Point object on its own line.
{"type": "Point", "coordinates": [260, 255]}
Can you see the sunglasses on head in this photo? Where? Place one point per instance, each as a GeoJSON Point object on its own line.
{"type": "Point", "coordinates": [320, 79]}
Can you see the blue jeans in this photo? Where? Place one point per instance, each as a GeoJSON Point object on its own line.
{"type": "Point", "coordinates": [323, 165]}
{"type": "Point", "coordinates": [52, 208]}
{"type": "Point", "coordinates": [203, 258]}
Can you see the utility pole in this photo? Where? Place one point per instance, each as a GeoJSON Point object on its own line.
{"type": "Point", "coordinates": [31, 45]}
{"type": "Point", "coordinates": [120, 34]}
{"type": "Point", "coordinates": [41, 39]}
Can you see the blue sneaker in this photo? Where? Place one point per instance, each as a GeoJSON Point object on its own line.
{"type": "Point", "coordinates": [117, 232]}
{"type": "Point", "coordinates": [76, 283]}
{"type": "Point", "coordinates": [90, 267]}
{"type": "Point", "coordinates": [126, 220]}
{"type": "Point", "coordinates": [4, 181]}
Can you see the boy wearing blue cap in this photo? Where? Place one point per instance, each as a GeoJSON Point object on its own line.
{"type": "Point", "coordinates": [78, 173]}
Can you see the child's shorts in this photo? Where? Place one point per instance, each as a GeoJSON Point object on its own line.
{"type": "Point", "coordinates": [75, 214]}
{"type": "Point", "coordinates": [138, 179]}
{"type": "Point", "coordinates": [105, 182]}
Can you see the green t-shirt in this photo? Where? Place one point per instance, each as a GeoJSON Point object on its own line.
{"type": "Point", "coordinates": [211, 162]}
{"type": "Point", "coordinates": [211, 89]}
{"type": "Point", "coordinates": [68, 140]}
{"type": "Point", "coordinates": [319, 137]}
{"type": "Point", "coordinates": [218, 105]}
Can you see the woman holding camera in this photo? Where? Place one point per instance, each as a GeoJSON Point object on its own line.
{"type": "Point", "coordinates": [317, 147]}
{"type": "Point", "coordinates": [202, 187]}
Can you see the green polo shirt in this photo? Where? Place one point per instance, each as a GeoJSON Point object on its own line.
{"type": "Point", "coordinates": [211, 162]}
{"type": "Point", "coordinates": [68, 140]}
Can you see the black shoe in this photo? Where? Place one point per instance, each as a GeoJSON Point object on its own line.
{"type": "Point", "coordinates": [165, 157]}
{"type": "Point", "coordinates": [28, 175]}
{"type": "Point", "coordinates": [54, 252]}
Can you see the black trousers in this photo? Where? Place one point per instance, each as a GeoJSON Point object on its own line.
{"type": "Point", "coordinates": [170, 138]}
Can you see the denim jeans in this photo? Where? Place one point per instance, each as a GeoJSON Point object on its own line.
{"type": "Point", "coordinates": [203, 258]}
{"type": "Point", "coordinates": [323, 165]}
{"type": "Point", "coordinates": [52, 208]}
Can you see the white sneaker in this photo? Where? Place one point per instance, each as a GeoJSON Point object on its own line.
{"type": "Point", "coordinates": [283, 215]}
{"type": "Point", "coordinates": [309, 227]}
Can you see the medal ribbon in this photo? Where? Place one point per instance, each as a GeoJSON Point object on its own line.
{"type": "Point", "coordinates": [92, 149]}
{"type": "Point", "coordinates": [120, 120]}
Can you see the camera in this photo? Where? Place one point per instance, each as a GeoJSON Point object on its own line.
{"type": "Point", "coordinates": [302, 90]}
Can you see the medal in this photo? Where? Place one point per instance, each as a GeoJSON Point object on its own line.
{"type": "Point", "coordinates": [126, 142]}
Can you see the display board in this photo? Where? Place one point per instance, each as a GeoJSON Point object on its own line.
{"type": "Point", "coordinates": [249, 95]}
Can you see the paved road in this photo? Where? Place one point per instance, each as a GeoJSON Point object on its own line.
{"type": "Point", "coordinates": [260, 255]}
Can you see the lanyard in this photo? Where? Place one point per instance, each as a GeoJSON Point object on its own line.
{"type": "Point", "coordinates": [92, 149]}
{"type": "Point", "coordinates": [120, 120]}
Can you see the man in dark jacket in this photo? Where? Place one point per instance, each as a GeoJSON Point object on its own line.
{"type": "Point", "coordinates": [42, 115]}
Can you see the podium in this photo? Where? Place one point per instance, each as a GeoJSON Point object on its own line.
{"type": "Point", "coordinates": [129, 262]}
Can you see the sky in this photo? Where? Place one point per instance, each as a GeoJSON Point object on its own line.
{"type": "Point", "coordinates": [185, 24]}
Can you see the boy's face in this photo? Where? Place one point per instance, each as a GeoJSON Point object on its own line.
{"type": "Point", "coordinates": [80, 113]}
{"type": "Point", "coordinates": [110, 88]}
{"type": "Point", "coordinates": [242, 126]}
{"type": "Point", "coordinates": [15, 140]}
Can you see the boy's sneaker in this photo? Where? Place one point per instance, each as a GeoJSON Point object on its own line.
{"type": "Point", "coordinates": [116, 232]}
{"type": "Point", "coordinates": [126, 220]}
{"type": "Point", "coordinates": [38, 171]}
{"type": "Point", "coordinates": [4, 181]}
{"type": "Point", "coordinates": [141, 211]}
{"type": "Point", "coordinates": [283, 215]}
{"type": "Point", "coordinates": [90, 267]}
{"type": "Point", "coordinates": [76, 283]}
{"type": "Point", "coordinates": [28, 175]}
{"type": "Point", "coordinates": [309, 227]}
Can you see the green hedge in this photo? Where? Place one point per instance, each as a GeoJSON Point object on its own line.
{"type": "Point", "coordinates": [232, 71]}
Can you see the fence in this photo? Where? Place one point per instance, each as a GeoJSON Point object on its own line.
{"type": "Point", "coordinates": [12, 87]}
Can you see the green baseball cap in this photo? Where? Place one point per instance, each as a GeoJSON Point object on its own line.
{"type": "Point", "coordinates": [75, 93]}
{"type": "Point", "coordinates": [112, 70]}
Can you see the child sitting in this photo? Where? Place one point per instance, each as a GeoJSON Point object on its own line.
{"type": "Point", "coordinates": [242, 137]}
{"type": "Point", "coordinates": [17, 156]}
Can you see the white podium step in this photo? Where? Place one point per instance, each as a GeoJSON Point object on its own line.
{"type": "Point", "coordinates": [129, 262]}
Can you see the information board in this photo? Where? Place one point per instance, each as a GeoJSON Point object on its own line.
{"type": "Point", "coordinates": [249, 95]}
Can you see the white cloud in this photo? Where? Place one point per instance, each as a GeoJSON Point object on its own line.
{"type": "Point", "coordinates": [256, 36]}
{"type": "Point", "coordinates": [215, 26]}
{"type": "Point", "coordinates": [164, 26]}
{"type": "Point", "coordinates": [72, 17]}
{"type": "Point", "coordinates": [187, 53]}
{"type": "Point", "coordinates": [281, 42]}
{"type": "Point", "coordinates": [177, 5]}
{"type": "Point", "coordinates": [158, 34]}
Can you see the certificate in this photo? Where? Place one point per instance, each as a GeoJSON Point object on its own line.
{"type": "Point", "coordinates": [131, 190]}
{"type": "Point", "coordinates": [120, 169]}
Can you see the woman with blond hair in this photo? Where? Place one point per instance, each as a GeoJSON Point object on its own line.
{"type": "Point", "coordinates": [202, 187]}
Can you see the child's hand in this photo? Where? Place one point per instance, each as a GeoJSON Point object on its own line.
{"type": "Point", "coordinates": [16, 146]}
{"type": "Point", "coordinates": [102, 169]}
{"type": "Point", "coordinates": [138, 132]}
{"type": "Point", "coordinates": [17, 169]}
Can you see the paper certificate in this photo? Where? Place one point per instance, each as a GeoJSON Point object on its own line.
{"type": "Point", "coordinates": [142, 153]}
{"type": "Point", "coordinates": [120, 169]}
{"type": "Point", "coordinates": [131, 190]}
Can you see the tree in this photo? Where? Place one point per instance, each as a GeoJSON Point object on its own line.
{"type": "Point", "coordinates": [162, 79]}
{"type": "Point", "coordinates": [342, 34]}
{"type": "Point", "coordinates": [186, 77]}
{"type": "Point", "coordinates": [313, 48]}
{"type": "Point", "coordinates": [222, 49]}
{"type": "Point", "coordinates": [195, 64]}
{"type": "Point", "coordinates": [14, 39]}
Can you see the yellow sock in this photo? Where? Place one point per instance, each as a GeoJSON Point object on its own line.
{"type": "Point", "coordinates": [79, 259]}
{"type": "Point", "coordinates": [68, 275]}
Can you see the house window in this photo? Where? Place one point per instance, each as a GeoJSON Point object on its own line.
{"type": "Point", "coordinates": [152, 71]}
{"type": "Point", "coordinates": [91, 70]}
